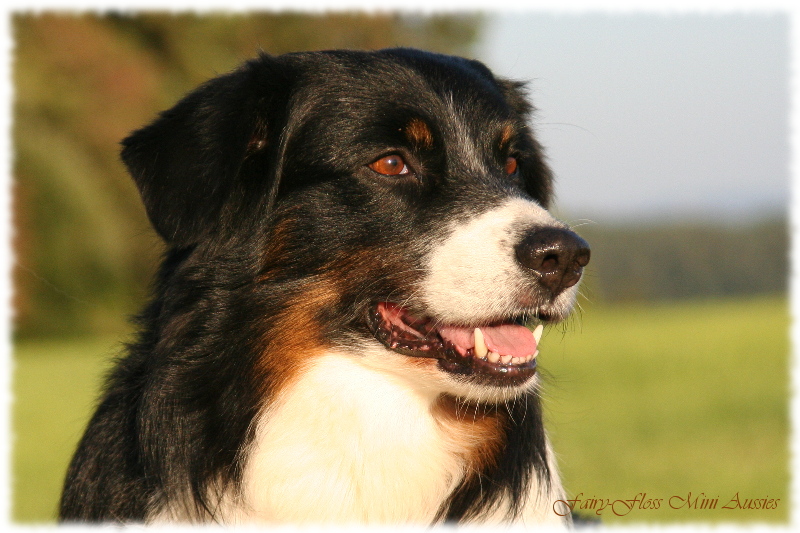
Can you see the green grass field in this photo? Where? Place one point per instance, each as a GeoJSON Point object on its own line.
{"type": "Point", "coordinates": [675, 402]}
{"type": "Point", "coordinates": [679, 402]}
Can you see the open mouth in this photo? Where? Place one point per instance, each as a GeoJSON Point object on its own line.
{"type": "Point", "coordinates": [501, 353]}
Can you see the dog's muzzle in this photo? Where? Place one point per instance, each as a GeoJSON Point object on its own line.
{"type": "Point", "coordinates": [502, 350]}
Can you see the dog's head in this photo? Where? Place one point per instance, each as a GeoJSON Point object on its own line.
{"type": "Point", "coordinates": [398, 197]}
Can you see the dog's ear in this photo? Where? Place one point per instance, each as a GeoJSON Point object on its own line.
{"type": "Point", "coordinates": [203, 166]}
{"type": "Point", "coordinates": [536, 174]}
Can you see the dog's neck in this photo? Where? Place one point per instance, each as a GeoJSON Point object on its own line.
{"type": "Point", "coordinates": [382, 456]}
{"type": "Point", "coordinates": [347, 443]}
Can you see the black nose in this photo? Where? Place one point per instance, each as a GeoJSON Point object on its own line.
{"type": "Point", "coordinates": [557, 257]}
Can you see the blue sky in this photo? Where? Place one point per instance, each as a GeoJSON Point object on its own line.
{"type": "Point", "coordinates": [651, 116]}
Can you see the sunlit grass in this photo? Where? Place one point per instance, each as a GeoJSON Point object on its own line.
{"type": "Point", "coordinates": [665, 400]}
{"type": "Point", "coordinates": [55, 386]}
{"type": "Point", "coordinates": [672, 400]}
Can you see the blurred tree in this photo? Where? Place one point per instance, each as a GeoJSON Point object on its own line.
{"type": "Point", "coordinates": [687, 260]}
{"type": "Point", "coordinates": [84, 249]}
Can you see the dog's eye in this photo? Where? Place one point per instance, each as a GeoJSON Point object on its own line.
{"type": "Point", "coordinates": [511, 165]}
{"type": "Point", "coordinates": [391, 165]}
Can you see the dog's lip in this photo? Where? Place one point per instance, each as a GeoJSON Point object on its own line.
{"type": "Point", "coordinates": [455, 347]}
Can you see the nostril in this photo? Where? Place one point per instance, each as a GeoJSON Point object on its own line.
{"type": "Point", "coordinates": [557, 257]}
{"type": "Point", "coordinates": [549, 263]}
{"type": "Point", "coordinates": [583, 256]}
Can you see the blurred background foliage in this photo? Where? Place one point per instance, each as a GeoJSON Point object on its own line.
{"type": "Point", "coordinates": [671, 260]}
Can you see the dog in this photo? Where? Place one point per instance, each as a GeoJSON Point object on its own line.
{"type": "Point", "coordinates": [355, 243]}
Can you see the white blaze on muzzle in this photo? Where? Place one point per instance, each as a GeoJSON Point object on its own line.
{"type": "Point", "coordinates": [472, 273]}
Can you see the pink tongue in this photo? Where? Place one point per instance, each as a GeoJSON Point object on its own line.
{"type": "Point", "coordinates": [506, 339]}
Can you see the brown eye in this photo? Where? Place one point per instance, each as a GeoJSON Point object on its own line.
{"type": "Point", "coordinates": [391, 165]}
{"type": "Point", "coordinates": [511, 165]}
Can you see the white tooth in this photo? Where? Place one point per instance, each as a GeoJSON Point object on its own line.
{"type": "Point", "coordinates": [537, 333]}
{"type": "Point", "coordinates": [527, 358]}
{"type": "Point", "coordinates": [535, 354]}
{"type": "Point", "coordinates": [494, 357]}
{"type": "Point", "coordinates": [515, 360]}
{"type": "Point", "coordinates": [505, 359]}
{"type": "Point", "coordinates": [480, 344]}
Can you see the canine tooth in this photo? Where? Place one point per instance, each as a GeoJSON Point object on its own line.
{"type": "Point", "coordinates": [535, 354]}
{"type": "Point", "coordinates": [480, 344]}
{"type": "Point", "coordinates": [537, 333]}
{"type": "Point", "coordinates": [494, 357]}
{"type": "Point", "coordinates": [505, 359]}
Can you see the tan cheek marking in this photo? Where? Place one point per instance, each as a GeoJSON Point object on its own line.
{"type": "Point", "coordinates": [389, 263]}
{"type": "Point", "coordinates": [419, 133]}
{"type": "Point", "coordinates": [476, 429]}
{"type": "Point", "coordinates": [294, 337]}
{"type": "Point", "coordinates": [278, 251]}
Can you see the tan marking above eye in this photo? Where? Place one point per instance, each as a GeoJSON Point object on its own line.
{"type": "Point", "coordinates": [511, 165]}
{"type": "Point", "coordinates": [390, 165]}
{"type": "Point", "coordinates": [419, 133]}
{"type": "Point", "coordinates": [505, 137]}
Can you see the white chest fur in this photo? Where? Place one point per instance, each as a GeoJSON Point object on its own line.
{"type": "Point", "coordinates": [348, 443]}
